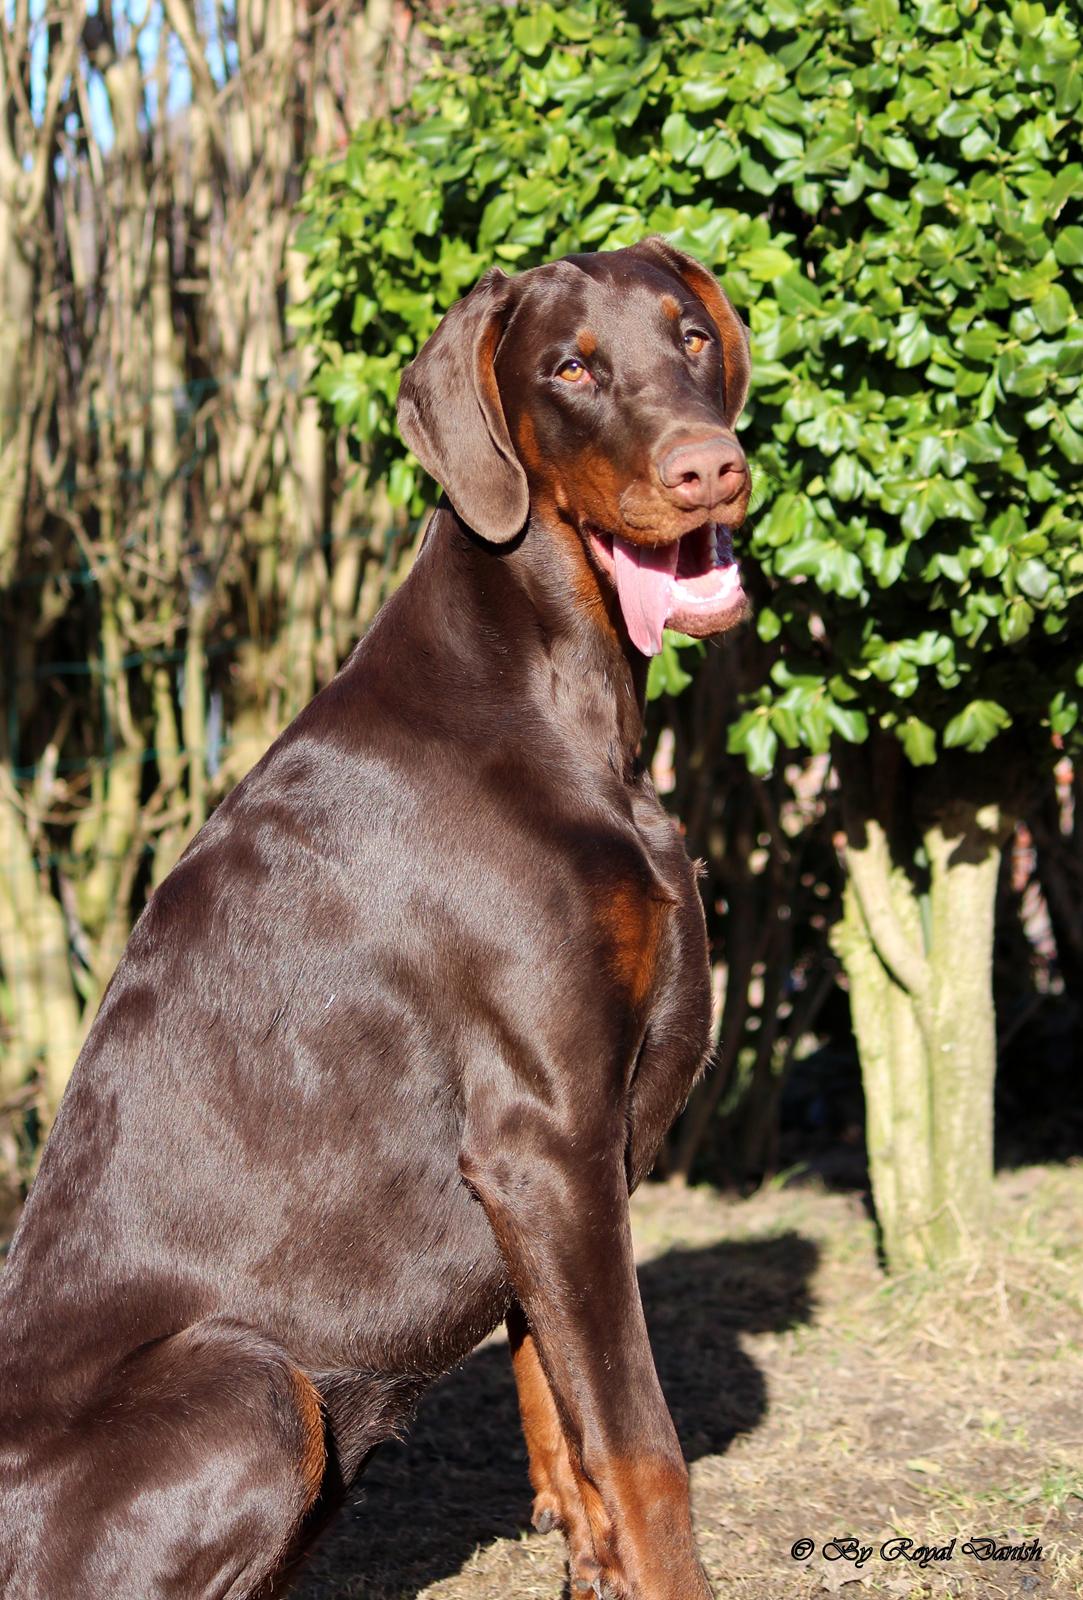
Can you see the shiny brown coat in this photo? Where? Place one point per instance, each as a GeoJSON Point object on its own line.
{"type": "Point", "coordinates": [391, 1044]}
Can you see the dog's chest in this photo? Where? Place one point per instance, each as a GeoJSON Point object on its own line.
{"type": "Point", "coordinates": [649, 917]}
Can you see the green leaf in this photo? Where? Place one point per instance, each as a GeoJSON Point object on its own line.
{"type": "Point", "coordinates": [401, 481]}
{"type": "Point", "coordinates": [843, 480]}
{"type": "Point", "coordinates": [1034, 578]}
{"type": "Point", "coordinates": [701, 94]}
{"type": "Point", "coordinates": [755, 176]}
{"type": "Point", "coordinates": [665, 673]}
{"type": "Point", "coordinates": [981, 343]}
{"type": "Point", "coordinates": [782, 144]}
{"type": "Point", "coordinates": [1068, 246]}
{"type": "Point", "coordinates": [918, 741]}
{"type": "Point", "coordinates": [899, 152]}
{"type": "Point", "coordinates": [1014, 623]}
{"type": "Point", "coordinates": [918, 512]}
{"type": "Point", "coordinates": [497, 218]}
{"type": "Point", "coordinates": [980, 442]}
{"type": "Point", "coordinates": [573, 24]}
{"type": "Point", "coordinates": [850, 722]}
{"type": "Point", "coordinates": [761, 747]}
{"type": "Point", "coordinates": [797, 295]}
{"type": "Point", "coordinates": [976, 726]}
{"type": "Point", "coordinates": [764, 263]}
{"type": "Point", "coordinates": [768, 624]}
{"type": "Point", "coordinates": [1063, 713]}
{"type": "Point", "coordinates": [678, 136]}
{"type": "Point", "coordinates": [1069, 440]}
{"type": "Point", "coordinates": [533, 31]}
{"type": "Point", "coordinates": [1053, 309]}
{"type": "Point", "coordinates": [914, 340]}
{"type": "Point", "coordinates": [753, 737]}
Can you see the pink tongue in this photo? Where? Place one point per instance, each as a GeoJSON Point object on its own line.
{"type": "Point", "coordinates": [644, 579]}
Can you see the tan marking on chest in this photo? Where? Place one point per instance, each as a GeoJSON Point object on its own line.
{"type": "Point", "coordinates": [631, 924]}
{"type": "Point", "coordinates": [313, 1458]}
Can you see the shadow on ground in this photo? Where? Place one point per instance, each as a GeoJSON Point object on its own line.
{"type": "Point", "coordinates": [460, 1480]}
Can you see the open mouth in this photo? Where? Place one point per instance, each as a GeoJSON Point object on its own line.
{"type": "Point", "coordinates": [692, 584]}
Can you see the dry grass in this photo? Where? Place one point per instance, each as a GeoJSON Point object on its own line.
{"type": "Point", "coordinates": [813, 1399]}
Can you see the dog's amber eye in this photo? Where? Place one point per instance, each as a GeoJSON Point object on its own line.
{"type": "Point", "coordinates": [694, 342]}
{"type": "Point", "coordinates": [574, 372]}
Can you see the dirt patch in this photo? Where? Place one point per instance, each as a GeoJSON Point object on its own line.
{"type": "Point", "coordinates": [814, 1401]}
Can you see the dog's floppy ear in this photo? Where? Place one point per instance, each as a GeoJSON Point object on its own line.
{"type": "Point", "coordinates": [451, 417]}
{"type": "Point", "coordinates": [737, 368]}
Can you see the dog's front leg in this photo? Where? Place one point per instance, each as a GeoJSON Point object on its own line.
{"type": "Point", "coordinates": [558, 1492]}
{"type": "Point", "coordinates": [557, 1201]}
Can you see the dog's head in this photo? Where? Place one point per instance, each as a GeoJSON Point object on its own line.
{"type": "Point", "coordinates": [601, 392]}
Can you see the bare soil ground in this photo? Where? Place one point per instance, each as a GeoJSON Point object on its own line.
{"type": "Point", "coordinates": [814, 1400]}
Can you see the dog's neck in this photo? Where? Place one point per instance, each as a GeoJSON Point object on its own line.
{"type": "Point", "coordinates": [532, 621]}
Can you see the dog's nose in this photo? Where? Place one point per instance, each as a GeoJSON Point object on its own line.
{"type": "Point", "coordinates": [707, 472]}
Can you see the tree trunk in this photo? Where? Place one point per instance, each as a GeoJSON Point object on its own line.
{"type": "Point", "coordinates": [964, 846]}
{"type": "Point", "coordinates": [916, 941]}
{"type": "Point", "coordinates": [898, 1093]}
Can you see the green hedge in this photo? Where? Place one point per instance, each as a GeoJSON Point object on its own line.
{"type": "Point", "coordinates": [888, 192]}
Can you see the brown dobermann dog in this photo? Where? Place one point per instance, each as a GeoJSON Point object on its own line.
{"type": "Point", "coordinates": [394, 1040]}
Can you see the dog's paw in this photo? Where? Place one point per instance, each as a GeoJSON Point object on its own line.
{"type": "Point", "coordinates": [587, 1578]}
{"type": "Point", "coordinates": [546, 1514]}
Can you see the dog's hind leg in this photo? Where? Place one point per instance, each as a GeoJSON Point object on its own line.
{"type": "Point", "coordinates": [190, 1478]}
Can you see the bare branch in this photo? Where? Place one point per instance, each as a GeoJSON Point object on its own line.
{"type": "Point", "coordinates": [59, 75]}
{"type": "Point", "coordinates": [11, 174]}
{"type": "Point", "coordinates": [183, 24]}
